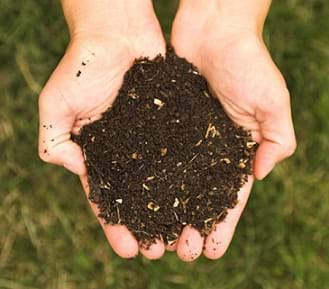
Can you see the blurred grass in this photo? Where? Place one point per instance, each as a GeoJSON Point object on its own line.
{"type": "Point", "coordinates": [48, 236]}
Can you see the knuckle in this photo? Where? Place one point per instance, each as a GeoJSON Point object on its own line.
{"type": "Point", "coordinates": [45, 155]}
{"type": "Point", "coordinates": [290, 148]}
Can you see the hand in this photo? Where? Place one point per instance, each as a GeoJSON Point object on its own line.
{"type": "Point", "coordinates": [86, 81]}
{"type": "Point", "coordinates": [241, 73]}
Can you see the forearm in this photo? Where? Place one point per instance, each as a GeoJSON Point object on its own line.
{"type": "Point", "coordinates": [250, 14]}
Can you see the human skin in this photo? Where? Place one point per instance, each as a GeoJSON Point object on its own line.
{"type": "Point", "coordinates": [224, 40]}
{"type": "Point", "coordinates": [106, 37]}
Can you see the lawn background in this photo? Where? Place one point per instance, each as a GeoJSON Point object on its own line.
{"type": "Point", "coordinates": [48, 235]}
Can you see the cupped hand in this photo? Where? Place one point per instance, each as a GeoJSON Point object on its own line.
{"type": "Point", "coordinates": [84, 84]}
{"type": "Point", "coordinates": [253, 93]}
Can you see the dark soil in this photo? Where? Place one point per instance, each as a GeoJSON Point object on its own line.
{"type": "Point", "coordinates": [165, 154]}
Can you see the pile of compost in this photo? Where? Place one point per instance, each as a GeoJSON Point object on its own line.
{"type": "Point", "coordinates": [165, 154]}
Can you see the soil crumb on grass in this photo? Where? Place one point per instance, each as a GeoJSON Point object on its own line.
{"type": "Point", "coordinates": [165, 154]}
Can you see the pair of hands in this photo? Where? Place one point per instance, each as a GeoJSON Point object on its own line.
{"type": "Point", "coordinates": [107, 37]}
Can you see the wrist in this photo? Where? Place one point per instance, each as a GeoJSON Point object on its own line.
{"type": "Point", "coordinates": [97, 18]}
{"type": "Point", "coordinates": [245, 15]}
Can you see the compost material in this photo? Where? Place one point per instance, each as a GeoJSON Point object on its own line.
{"type": "Point", "coordinates": [165, 154]}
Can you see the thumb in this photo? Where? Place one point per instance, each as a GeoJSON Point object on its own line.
{"type": "Point", "coordinates": [278, 137]}
{"type": "Point", "coordinates": [56, 122]}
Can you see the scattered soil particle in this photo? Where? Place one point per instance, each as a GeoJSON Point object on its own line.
{"type": "Point", "coordinates": [165, 154]}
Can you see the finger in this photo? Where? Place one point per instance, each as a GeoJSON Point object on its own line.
{"type": "Point", "coordinates": [155, 251]}
{"type": "Point", "coordinates": [56, 121]}
{"type": "Point", "coordinates": [279, 141]}
{"type": "Point", "coordinates": [190, 244]}
{"type": "Point", "coordinates": [120, 238]}
{"type": "Point", "coordinates": [172, 247]}
{"type": "Point", "coordinates": [219, 239]}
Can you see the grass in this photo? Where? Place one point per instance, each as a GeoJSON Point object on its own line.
{"type": "Point", "coordinates": [50, 239]}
